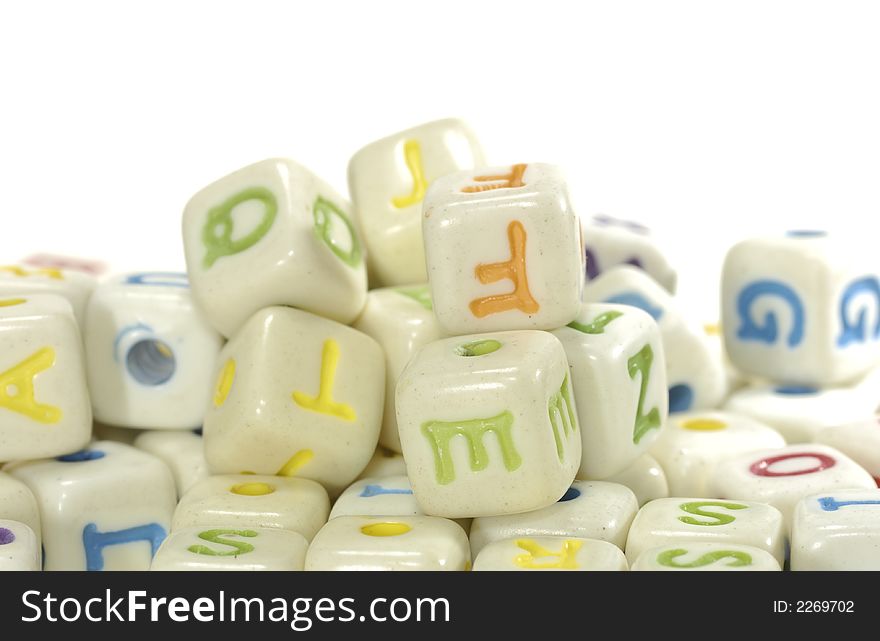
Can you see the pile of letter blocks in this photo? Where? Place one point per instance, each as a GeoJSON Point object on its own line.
{"type": "Point", "coordinates": [517, 390]}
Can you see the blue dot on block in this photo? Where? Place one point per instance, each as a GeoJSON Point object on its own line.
{"type": "Point", "coordinates": [681, 398]}
{"type": "Point", "coordinates": [81, 456]}
{"type": "Point", "coordinates": [796, 390]}
{"type": "Point", "coordinates": [7, 536]}
{"type": "Point", "coordinates": [570, 493]}
{"type": "Point", "coordinates": [806, 233]}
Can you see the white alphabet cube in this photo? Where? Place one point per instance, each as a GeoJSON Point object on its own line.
{"type": "Point", "coordinates": [150, 353]}
{"type": "Point", "coordinates": [618, 376]}
{"type": "Point", "coordinates": [236, 549]}
{"type": "Point", "coordinates": [19, 547]}
{"type": "Point", "coordinates": [706, 557]}
{"type": "Point", "coordinates": [389, 543]}
{"type": "Point", "coordinates": [783, 476]}
{"type": "Point", "coordinates": [388, 496]}
{"type": "Point", "coordinates": [504, 250]}
{"type": "Point", "coordinates": [107, 507]}
{"type": "Point", "coordinates": [254, 501]}
{"type": "Point", "coordinates": [588, 509]}
{"type": "Point", "coordinates": [44, 402]}
{"type": "Point", "coordinates": [694, 443]}
{"type": "Point", "coordinates": [800, 412]}
{"type": "Point", "coordinates": [388, 180]}
{"type": "Point", "coordinates": [17, 503]}
{"type": "Point", "coordinates": [801, 309]}
{"type": "Point", "coordinates": [694, 520]}
{"type": "Point", "coordinates": [401, 320]}
{"type": "Point", "coordinates": [612, 241]}
{"type": "Point", "coordinates": [695, 373]}
{"type": "Point", "coordinates": [272, 233]}
{"type": "Point", "coordinates": [644, 477]}
{"type": "Point", "coordinates": [550, 553]}
{"type": "Point", "coordinates": [859, 440]}
{"type": "Point", "coordinates": [488, 424]}
{"type": "Point", "coordinates": [296, 394]}
{"type": "Point", "coordinates": [183, 453]}
{"type": "Point", "coordinates": [837, 530]}
{"type": "Point", "coordinates": [23, 281]}
{"type": "Point", "coordinates": [385, 462]}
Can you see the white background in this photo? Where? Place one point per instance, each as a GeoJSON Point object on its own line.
{"type": "Point", "coordinates": [706, 120]}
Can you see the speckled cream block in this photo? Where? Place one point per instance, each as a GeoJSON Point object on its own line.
{"type": "Point", "coordinates": [401, 320]}
{"type": "Point", "coordinates": [24, 281]}
{"type": "Point", "coordinates": [706, 557]}
{"type": "Point", "coordinates": [695, 373]}
{"type": "Point", "coordinates": [183, 453]}
{"type": "Point", "coordinates": [19, 547]}
{"type": "Point", "coordinates": [124, 435]}
{"type": "Point", "coordinates": [782, 477]}
{"type": "Point", "coordinates": [551, 554]}
{"type": "Point", "coordinates": [618, 376]}
{"type": "Point", "coordinates": [387, 496]}
{"type": "Point", "coordinates": [675, 521]}
{"type": "Point", "coordinates": [269, 234]}
{"type": "Point", "coordinates": [150, 353]}
{"type": "Point", "coordinates": [612, 241]}
{"type": "Point", "coordinates": [254, 501]}
{"type": "Point", "coordinates": [837, 530]}
{"type": "Point", "coordinates": [645, 477]}
{"type": "Point", "coordinates": [296, 394]}
{"type": "Point", "coordinates": [385, 462]}
{"type": "Point", "coordinates": [694, 443]}
{"type": "Point", "coordinates": [859, 440]}
{"type": "Point", "coordinates": [504, 249]}
{"type": "Point", "coordinates": [17, 503]}
{"type": "Point", "coordinates": [389, 543]}
{"type": "Point", "coordinates": [801, 309]}
{"type": "Point", "coordinates": [388, 180]}
{"type": "Point", "coordinates": [44, 401]}
{"type": "Point", "coordinates": [488, 424]}
{"type": "Point", "coordinates": [589, 509]}
{"type": "Point", "coordinates": [234, 549]}
{"type": "Point", "coordinates": [107, 507]}
{"type": "Point", "coordinates": [799, 412]}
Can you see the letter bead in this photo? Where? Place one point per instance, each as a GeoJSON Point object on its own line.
{"type": "Point", "coordinates": [236, 549]}
{"type": "Point", "coordinates": [551, 554]}
{"type": "Point", "coordinates": [706, 557]}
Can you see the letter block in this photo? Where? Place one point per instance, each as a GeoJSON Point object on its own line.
{"type": "Point", "coordinates": [618, 375]}
{"type": "Point", "coordinates": [504, 250]}
{"type": "Point", "coordinates": [236, 549]}
{"type": "Point", "coordinates": [683, 521]}
{"type": "Point", "coordinates": [782, 477]}
{"type": "Point", "coordinates": [150, 353]}
{"type": "Point", "coordinates": [388, 180]}
{"type": "Point", "coordinates": [389, 543]}
{"type": "Point", "coordinates": [588, 509]}
{"type": "Point", "coordinates": [551, 554]}
{"type": "Point", "coordinates": [388, 496]}
{"type": "Point", "coordinates": [801, 309]}
{"type": "Point", "coordinates": [296, 394]}
{"type": "Point", "coordinates": [400, 319]}
{"type": "Point", "coordinates": [19, 547]}
{"type": "Point", "coordinates": [695, 373]}
{"type": "Point", "coordinates": [254, 501]}
{"type": "Point", "coordinates": [695, 443]}
{"type": "Point", "coordinates": [183, 453]}
{"type": "Point", "coordinates": [859, 440]}
{"type": "Point", "coordinates": [25, 281]}
{"type": "Point", "coordinates": [107, 507]}
{"type": "Point", "coordinates": [706, 557]}
{"type": "Point", "coordinates": [44, 401]}
{"type": "Point", "coordinates": [488, 424]}
{"type": "Point", "coordinates": [272, 233]}
{"type": "Point", "coordinates": [17, 503]}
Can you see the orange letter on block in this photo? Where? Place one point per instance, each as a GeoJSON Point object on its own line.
{"type": "Point", "coordinates": [514, 269]}
{"type": "Point", "coordinates": [506, 181]}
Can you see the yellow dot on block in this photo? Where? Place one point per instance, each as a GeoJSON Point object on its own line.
{"type": "Point", "coordinates": [9, 302]}
{"type": "Point", "coordinates": [385, 529]}
{"type": "Point", "coordinates": [252, 489]}
{"type": "Point", "coordinates": [224, 383]}
{"type": "Point", "coordinates": [712, 329]}
{"type": "Point", "coordinates": [703, 424]}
